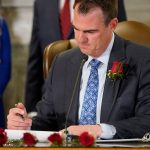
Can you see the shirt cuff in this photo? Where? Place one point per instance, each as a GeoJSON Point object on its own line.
{"type": "Point", "coordinates": [108, 131]}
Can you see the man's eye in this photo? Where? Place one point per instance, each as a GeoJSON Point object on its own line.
{"type": "Point", "coordinates": [89, 31]}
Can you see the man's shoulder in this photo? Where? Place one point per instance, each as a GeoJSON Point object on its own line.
{"type": "Point", "coordinates": [74, 52]}
{"type": "Point", "coordinates": [138, 54]}
{"type": "Point", "coordinates": [133, 48]}
{"type": "Point", "coordinates": [136, 49]}
{"type": "Point", "coordinates": [45, 2]}
{"type": "Point", "coordinates": [71, 55]}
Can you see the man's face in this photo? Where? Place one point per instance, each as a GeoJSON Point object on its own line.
{"type": "Point", "coordinates": [91, 34]}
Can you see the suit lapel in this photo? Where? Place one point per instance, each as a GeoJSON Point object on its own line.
{"type": "Point", "coordinates": [111, 88]}
{"type": "Point", "coordinates": [72, 73]}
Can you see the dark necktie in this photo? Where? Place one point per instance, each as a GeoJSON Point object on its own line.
{"type": "Point", "coordinates": [65, 22]}
{"type": "Point", "coordinates": [88, 111]}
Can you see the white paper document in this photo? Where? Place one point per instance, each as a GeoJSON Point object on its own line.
{"type": "Point", "coordinates": [18, 134]}
{"type": "Point", "coordinates": [136, 142]}
{"type": "Point", "coordinates": [43, 142]}
{"type": "Point", "coordinates": [119, 140]}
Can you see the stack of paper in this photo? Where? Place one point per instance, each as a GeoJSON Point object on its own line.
{"type": "Point", "coordinates": [122, 143]}
{"type": "Point", "coordinates": [18, 134]}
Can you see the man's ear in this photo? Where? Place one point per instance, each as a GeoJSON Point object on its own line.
{"type": "Point", "coordinates": [113, 24]}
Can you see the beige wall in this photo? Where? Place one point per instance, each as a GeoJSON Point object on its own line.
{"type": "Point", "coordinates": [138, 10]}
{"type": "Point", "coordinates": [20, 22]}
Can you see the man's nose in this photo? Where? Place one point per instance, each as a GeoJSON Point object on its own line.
{"type": "Point", "coordinates": [81, 37]}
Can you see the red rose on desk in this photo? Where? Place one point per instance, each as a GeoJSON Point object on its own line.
{"type": "Point", "coordinates": [55, 139]}
{"type": "Point", "coordinates": [86, 139]}
{"type": "Point", "coordinates": [29, 139]}
{"type": "Point", "coordinates": [116, 71]}
{"type": "Point", "coordinates": [3, 137]}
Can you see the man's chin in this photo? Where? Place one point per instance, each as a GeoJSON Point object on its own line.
{"type": "Point", "coordinates": [89, 53]}
{"type": "Point", "coordinates": [84, 51]}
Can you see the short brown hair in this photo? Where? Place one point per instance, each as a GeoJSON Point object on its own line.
{"type": "Point", "coordinates": [109, 7]}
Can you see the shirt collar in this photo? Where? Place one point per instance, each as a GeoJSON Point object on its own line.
{"type": "Point", "coordinates": [105, 56]}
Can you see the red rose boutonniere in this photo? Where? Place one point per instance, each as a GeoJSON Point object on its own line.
{"type": "Point", "coordinates": [116, 71]}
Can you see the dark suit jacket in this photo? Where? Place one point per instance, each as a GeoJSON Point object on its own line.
{"type": "Point", "coordinates": [122, 16]}
{"type": "Point", "coordinates": [125, 104]}
{"type": "Point", "coordinates": [46, 29]}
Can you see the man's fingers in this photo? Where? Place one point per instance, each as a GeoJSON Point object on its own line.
{"type": "Point", "coordinates": [15, 124]}
{"type": "Point", "coordinates": [21, 107]}
{"type": "Point", "coordinates": [95, 130]}
{"type": "Point", "coordinates": [15, 111]}
{"type": "Point", "coordinates": [16, 119]}
{"type": "Point", "coordinates": [19, 124]}
{"type": "Point", "coordinates": [17, 128]}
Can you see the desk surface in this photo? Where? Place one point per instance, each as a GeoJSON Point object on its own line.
{"type": "Point", "coordinates": [35, 148]}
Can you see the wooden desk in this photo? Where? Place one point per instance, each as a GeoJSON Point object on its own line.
{"type": "Point", "coordinates": [41, 148]}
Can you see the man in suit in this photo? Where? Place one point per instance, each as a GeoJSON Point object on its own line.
{"type": "Point", "coordinates": [122, 106]}
{"type": "Point", "coordinates": [122, 16]}
{"type": "Point", "coordinates": [46, 29]}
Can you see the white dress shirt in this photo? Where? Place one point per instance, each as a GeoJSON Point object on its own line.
{"type": "Point", "coordinates": [108, 131]}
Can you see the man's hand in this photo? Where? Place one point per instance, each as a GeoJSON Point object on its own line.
{"type": "Point", "coordinates": [95, 130]}
{"type": "Point", "coordinates": [18, 119]}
